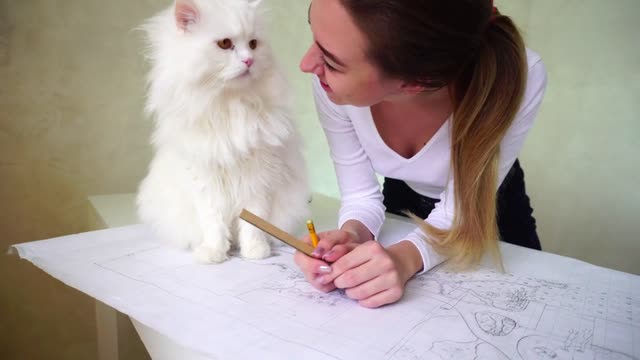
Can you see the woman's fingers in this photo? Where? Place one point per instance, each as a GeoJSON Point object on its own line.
{"type": "Point", "coordinates": [309, 265]}
{"type": "Point", "coordinates": [322, 287]}
{"type": "Point", "coordinates": [328, 240]}
{"type": "Point", "coordinates": [351, 260]}
{"type": "Point", "coordinates": [367, 289]}
{"type": "Point", "coordinates": [369, 275]}
{"type": "Point", "coordinates": [312, 269]}
{"type": "Point", "coordinates": [385, 297]}
{"type": "Point", "coordinates": [337, 252]}
{"type": "Point", "coordinates": [333, 245]}
{"type": "Point", "coordinates": [357, 276]}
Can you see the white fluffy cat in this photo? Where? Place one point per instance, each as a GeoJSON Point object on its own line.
{"type": "Point", "coordinates": [224, 137]}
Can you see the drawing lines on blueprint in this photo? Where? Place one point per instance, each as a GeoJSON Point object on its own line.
{"type": "Point", "coordinates": [143, 268]}
{"type": "Point", "coordinates": [478, 315]}
{"type": "Point", "coordinates": [495, 316]}
{"type": "Point", "coordinates": [445, 335]}
{"type": "Point", "coordinates": [495, 324]}
{"type": "Point", "coordinates": [293, 284]}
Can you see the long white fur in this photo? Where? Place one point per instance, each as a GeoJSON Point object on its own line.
{"type": "Point", "coordinates": [222, 141]}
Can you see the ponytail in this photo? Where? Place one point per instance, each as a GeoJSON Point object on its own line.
{"type": "Point", "coordinates": [486, 97]}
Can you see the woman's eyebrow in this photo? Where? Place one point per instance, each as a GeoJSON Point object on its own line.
{"type": "Point", "coordinates": [330, 56]}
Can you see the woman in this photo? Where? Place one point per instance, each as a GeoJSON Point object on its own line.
{"type": "Point", "coordinates": [437, 96]}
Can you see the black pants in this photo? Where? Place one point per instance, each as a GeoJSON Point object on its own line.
{"type": "Point", "coordinates": [515, 215]}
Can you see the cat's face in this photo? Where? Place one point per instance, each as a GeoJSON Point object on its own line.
{"type": "Point", "coordinates": [222, 42]}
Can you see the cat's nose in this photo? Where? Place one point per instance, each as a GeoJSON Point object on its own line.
{"type": "Point", "coordinates": [248, 62]}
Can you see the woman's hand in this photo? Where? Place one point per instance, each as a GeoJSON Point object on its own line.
{"type": "Point", "coordinates": [331, 246]}
{"type": "Point", "coordinates": [349, 259]}
{"type": "Point", "coordinates": [371, 274]}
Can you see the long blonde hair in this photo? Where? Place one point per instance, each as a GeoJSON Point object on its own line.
{"type": "Point", "coordinates": [480, 56]}
{"type": "Point", "coordinates": [485, 102]}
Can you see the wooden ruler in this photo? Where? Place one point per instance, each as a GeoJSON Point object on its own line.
{"type": "Point", "coordinates": [274, 231]}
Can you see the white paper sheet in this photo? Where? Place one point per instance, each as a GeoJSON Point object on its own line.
{"type": "Point", "coordinates": [545, 307]}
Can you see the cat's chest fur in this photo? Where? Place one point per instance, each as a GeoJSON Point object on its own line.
{"type": "Point", "coordinates": [231, 133]}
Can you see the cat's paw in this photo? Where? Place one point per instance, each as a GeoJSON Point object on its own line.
{"type": "Point", "coordinates": [255, 249]}
{"type": "Point", "coordinates": [207, 254]}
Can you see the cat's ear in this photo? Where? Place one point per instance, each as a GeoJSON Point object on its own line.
{"type": "Point", "coordinates": [186, 14]}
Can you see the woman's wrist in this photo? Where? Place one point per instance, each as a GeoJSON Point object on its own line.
{"type": "Point", "coordinates": [407, 257]}
{"type": "Point", "coordinates": [359, 233]}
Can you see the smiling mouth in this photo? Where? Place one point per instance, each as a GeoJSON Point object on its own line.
{"type": "Point", "coordinates": [325, 86]}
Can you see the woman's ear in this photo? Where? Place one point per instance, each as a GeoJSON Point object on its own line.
{"type": "Point", "coordinates": [412, 88]}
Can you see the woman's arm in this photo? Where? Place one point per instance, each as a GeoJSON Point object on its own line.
{"type": "Point", "coordinates": [358, 230]}
{"type": "Point", "coordinates": [361, 198]}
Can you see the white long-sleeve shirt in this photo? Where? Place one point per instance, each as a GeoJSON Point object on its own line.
{"type": "Point", "coordinates": [359, 152]}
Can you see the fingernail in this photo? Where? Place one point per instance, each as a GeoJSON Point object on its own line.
{"type": "Point", "coordinates": [329, 254]}
{"type": "Point", "coordinates": [324, 269]}
{"type": "Point", "coordinates": [317, 252]}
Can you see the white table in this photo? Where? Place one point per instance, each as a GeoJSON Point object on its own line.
{"type": "Point", "coordinates": [545, 305]}
{"type": "Point", "coordinates": [110, 211]}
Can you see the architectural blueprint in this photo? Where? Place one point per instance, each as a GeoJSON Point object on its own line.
{"type": "Point", "coordinates": [265, 309]}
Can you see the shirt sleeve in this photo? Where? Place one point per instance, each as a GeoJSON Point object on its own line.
{"type": "Point", "coordinates": [442, 215]}
{"type": "Point", "coordinates": [359, 188]}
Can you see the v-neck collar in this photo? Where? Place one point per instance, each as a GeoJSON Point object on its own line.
{"type": "Point", "coordinates": [422, 150]}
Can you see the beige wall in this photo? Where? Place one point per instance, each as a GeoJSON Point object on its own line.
{"type": "Point", "coordinates": [71, 125]}
{"type": "Point", "coordinates": [582, 156]}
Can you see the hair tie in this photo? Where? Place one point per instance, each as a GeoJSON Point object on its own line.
{"type": "Point", "coordinates": [494, 12]}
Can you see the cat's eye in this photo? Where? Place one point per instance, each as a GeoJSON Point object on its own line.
{"type": "Point", "coordinates": [225, 44]}
{"type": "Point", "coordinates": [253, 44]}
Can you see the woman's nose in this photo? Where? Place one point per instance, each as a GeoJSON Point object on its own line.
{"type": "Point", "coordinates": [311, 61]}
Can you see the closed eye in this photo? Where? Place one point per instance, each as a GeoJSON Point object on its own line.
{"type": "Point", "coordinates": [327, 65]}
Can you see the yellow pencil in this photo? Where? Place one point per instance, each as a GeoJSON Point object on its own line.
{"type": "Point", "coordinates": [312, 233]}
